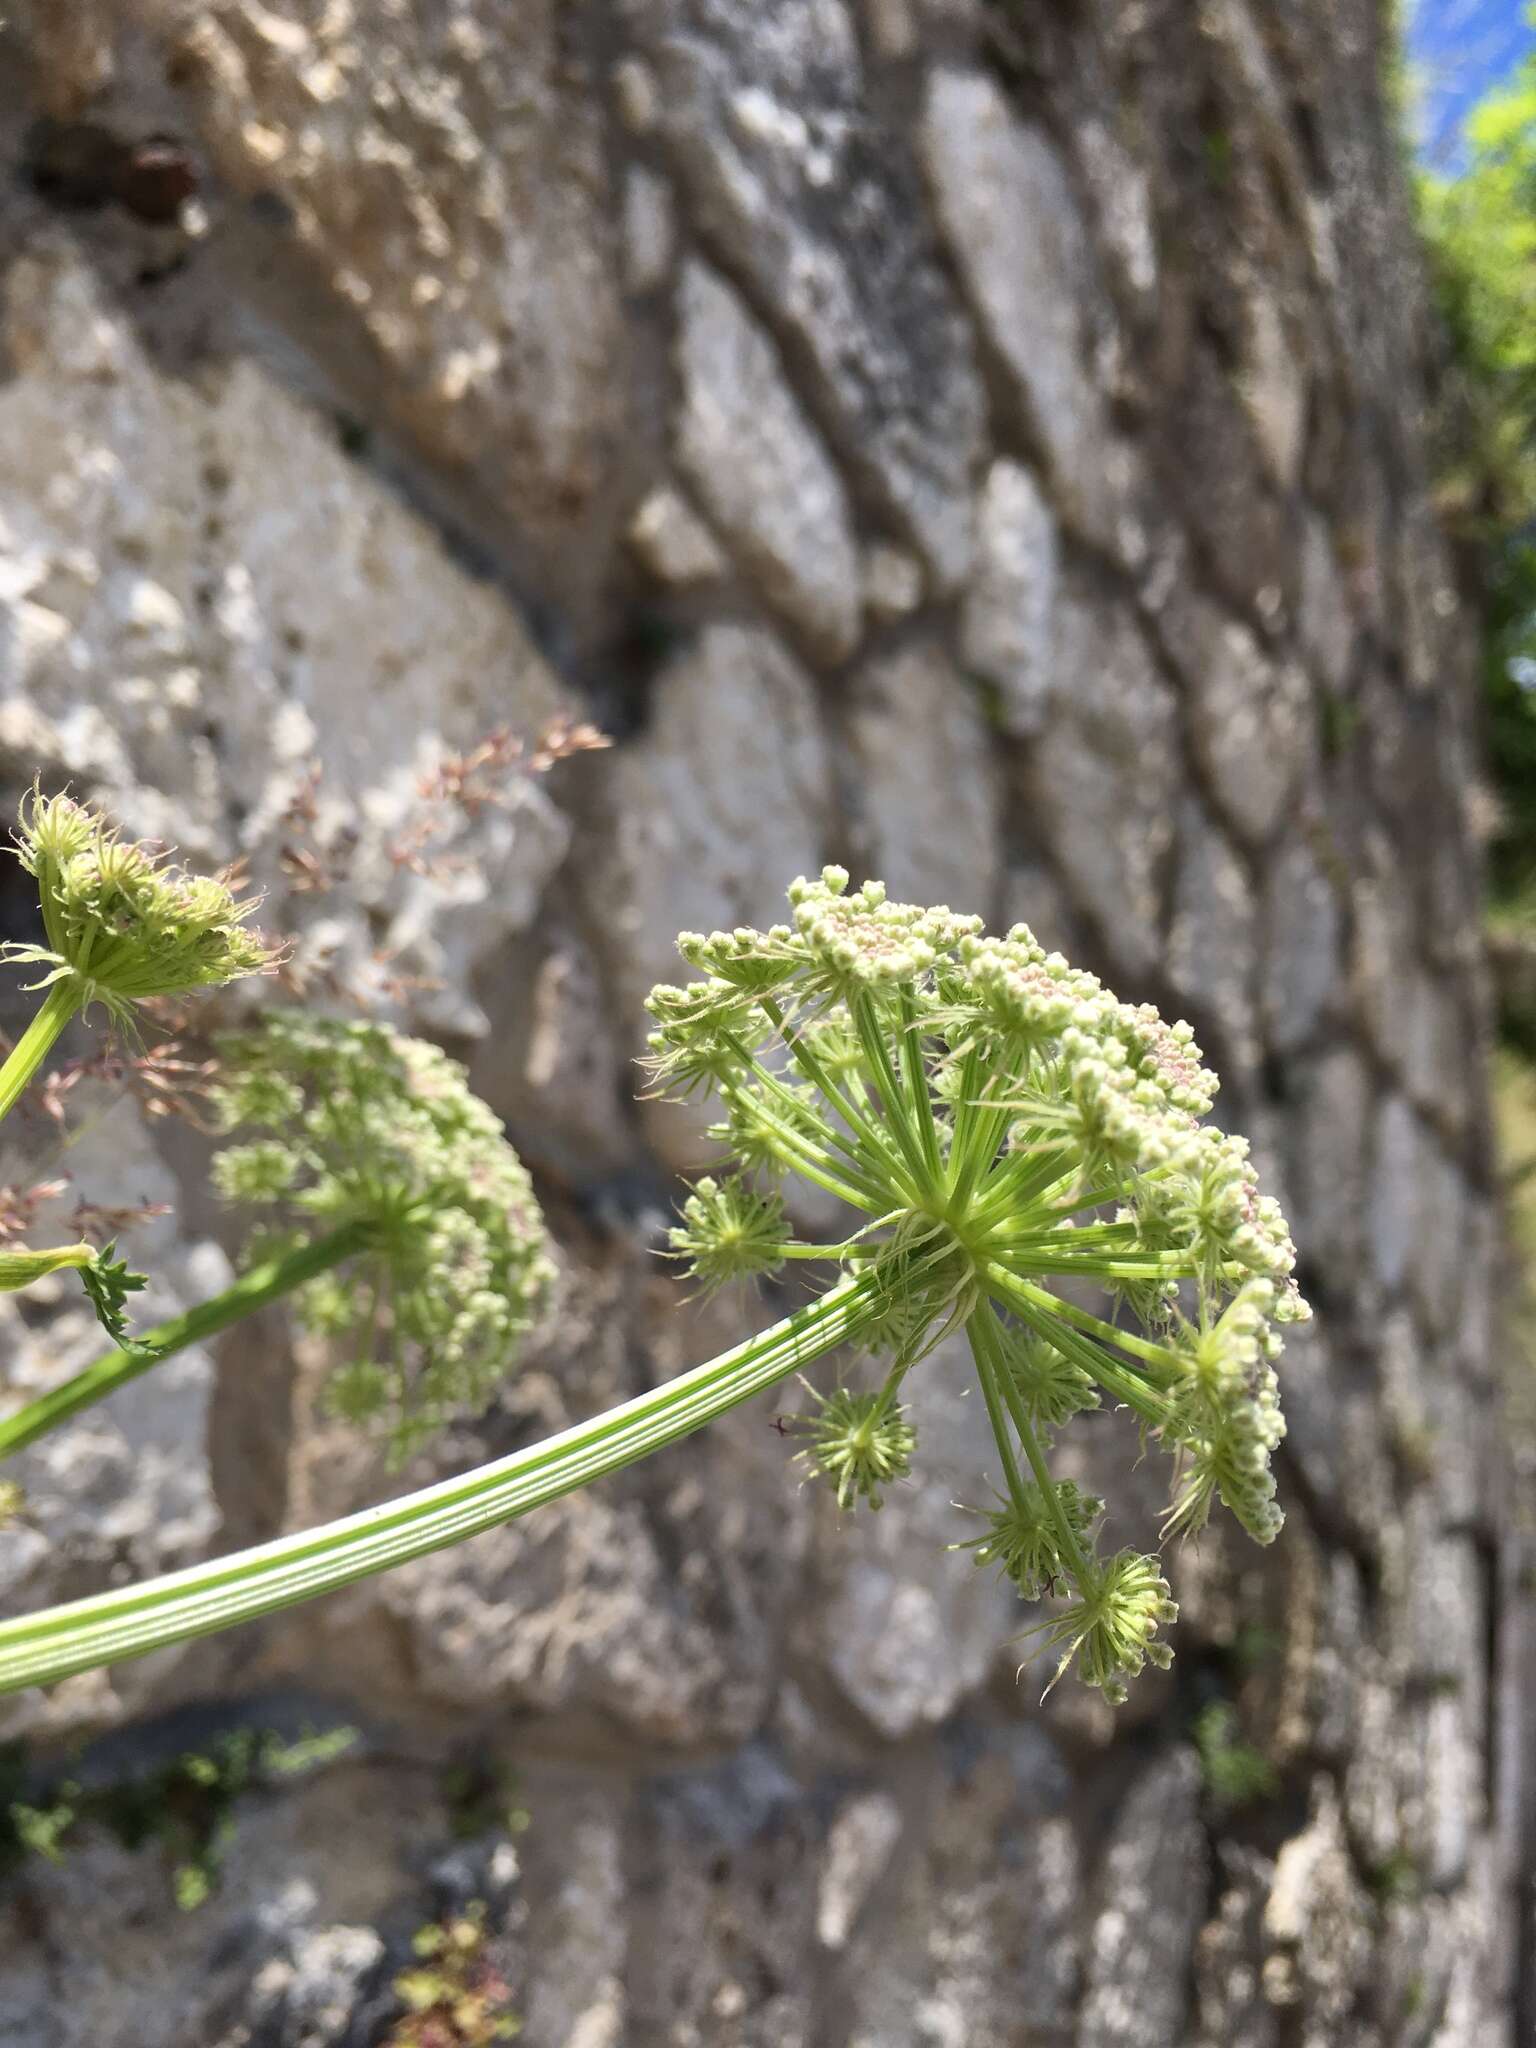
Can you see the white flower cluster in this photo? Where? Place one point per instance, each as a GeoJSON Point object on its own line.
{"type": "Point", "coordinates": [997, 1121]}
{"type": "Point", "coordinates": [368, 1131]}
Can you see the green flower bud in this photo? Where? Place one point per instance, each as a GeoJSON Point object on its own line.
{"type": "Point", "coordinates": [262, 1172]}
{"type": "Point", "coordinates": [1110, 1629]}
{"type": "Point", "coordinates": [20, 1267]}
{"type": "Point", "coordinates": [1023, 1536]}
{"type": "Point", "coordinates": [122, 926]}
{"type": "Point", "coordinates": [730, 1231]}
{"type": "Point", "coordinates": [860, 1444]}
{"type": "Point", "coordinates": [1052, 1387]}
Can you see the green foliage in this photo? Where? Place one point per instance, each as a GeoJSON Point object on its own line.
{"type": "Point", "coordinates": [1235, 1773]}
{"type": "Point", "coordinates": [454, 1997]}
{"type": "Point", "coordinates": [185, 1807]}
{"type": "Point", "coordinates": [1396, 1879]}
{"type": "Point", "coordinates": [109, 1282]}
{"type": "Point", "coordinates": [483, 1795]}
{"type": "Point", "coordinates": [1481, 229]}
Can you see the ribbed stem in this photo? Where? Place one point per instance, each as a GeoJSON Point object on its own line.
{"type": "Point", "coordinates": [253, 1290]}
{"type": "Point", "coordinates": [34, 1044]}
{"type": "Point", "coordinates": [991, 1346]}
{"type": "Point", "coordinates": [39, 1649]}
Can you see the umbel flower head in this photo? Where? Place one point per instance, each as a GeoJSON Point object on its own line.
{"type": "Point", "coordinates": [860, 1443]}
{"type": "Point", "coordinates": [997, 1123]}
{"type": "Point", "coordinates": [123, 925]}
{"type": "Point", "coordinates": [357, 1128]}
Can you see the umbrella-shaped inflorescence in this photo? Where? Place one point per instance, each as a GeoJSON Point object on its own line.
{"type": "Point", "coordinates": [997, 1123]}
{"type": "Point", "coordinates": [373, 1140]}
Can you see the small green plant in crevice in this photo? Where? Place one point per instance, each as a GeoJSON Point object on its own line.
{"type": "Point", "coordinates": [1255, 1647]}
{"type": "Point", "coordinates": [483, 1795]}
{"type": "Point", "coordinates": [184, 1807]}
{"type": "Point", "coordinates": [1395, 1879]}
{"type": "Point", "coordinates": [998, 1128]}
{"type": "Point", "coordinates": [454, 1995]}
{"type": "Point", "coordinates": [1338, 721]}
{"type": "Point", "coordinates": [1235, 1773]}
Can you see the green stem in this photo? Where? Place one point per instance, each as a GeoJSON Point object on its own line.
{"type": "Point", "coordinates": [40, 1649]}
{"type": "Point", "coordinates": [830, 1164]}
{"type": "Point", "coordinates": [987, 1133]}
{"type": "Point", "coordinates": [813, 1067]}
{"type": "Point", "coordinates": [1066, 1535]}
{"type": "Point", "coordinates": [798, 1155]}
{"type": "Point", "coordinates": [1116, 1378]}
{"type": "Point", "coordinates": [1022, 1182]}
{"type": "Point", "coordinates": [884, 1076]}
{"type": "Point", "coordinates": [916, 1075]}
{"type": "Point", "coordinates": [253, 1290]}
{"type": "Point", "coordinates": [1158, 1355]}
{"type": "Point", "coordinates": [892, 1387]}
{"type": "Point", "coordinates": [32, 1048]}
{"type": "Point", "coordinates": [991, 1394]}
{"type": "Point", "coordinates": [964, 1116]}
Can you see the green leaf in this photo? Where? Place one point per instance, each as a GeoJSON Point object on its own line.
{"type": "Point", "coordinates": [109, 1282]}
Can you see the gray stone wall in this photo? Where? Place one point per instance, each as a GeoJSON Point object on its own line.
{"type": "Point", "coordinates": [982, 443]}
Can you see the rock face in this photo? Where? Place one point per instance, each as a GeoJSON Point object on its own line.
{"type": "Point", "coordinates": [974, 440]}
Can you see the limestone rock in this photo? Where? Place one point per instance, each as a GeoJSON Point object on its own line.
{"type": "Point", "coordinates": [1317, 1917]}
{"type": "Point", "coordinates": [1250, 716]}
{"type": "Point", "coordinates": [301, 638]}
{"type": "Point", "coordinates": [673, 542]}
{"type": "Point", "coordinates": [901, 1639]}
{"type": "Point", "coordinates": [1144, 1932]}
{"type": "Point", "coordinates": [1104, 773]}
{"type": "Point", "coordinates": [926, 812]}
{"type": "Point", "coordinates": [650, 230]}
{"type": "Point", "coordinates": [444, 184]}
{"type": "Point", "coordinates": [1023, 248]}
{"type": "Point", "coordinates": [995, 1895]}
{"type": "Point", "coordinates": [1211, 957]}
{"type": "Point", "coordinates": [713, 811]}
{"type": "Point", "coordinates": [793, 176]}
{"type": "Point", "coordinates": [759, 469]}
{"type": "Point", "coordinates": [1303, 957]}
{"type": "Point", "coordinates": [1006, 628]}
